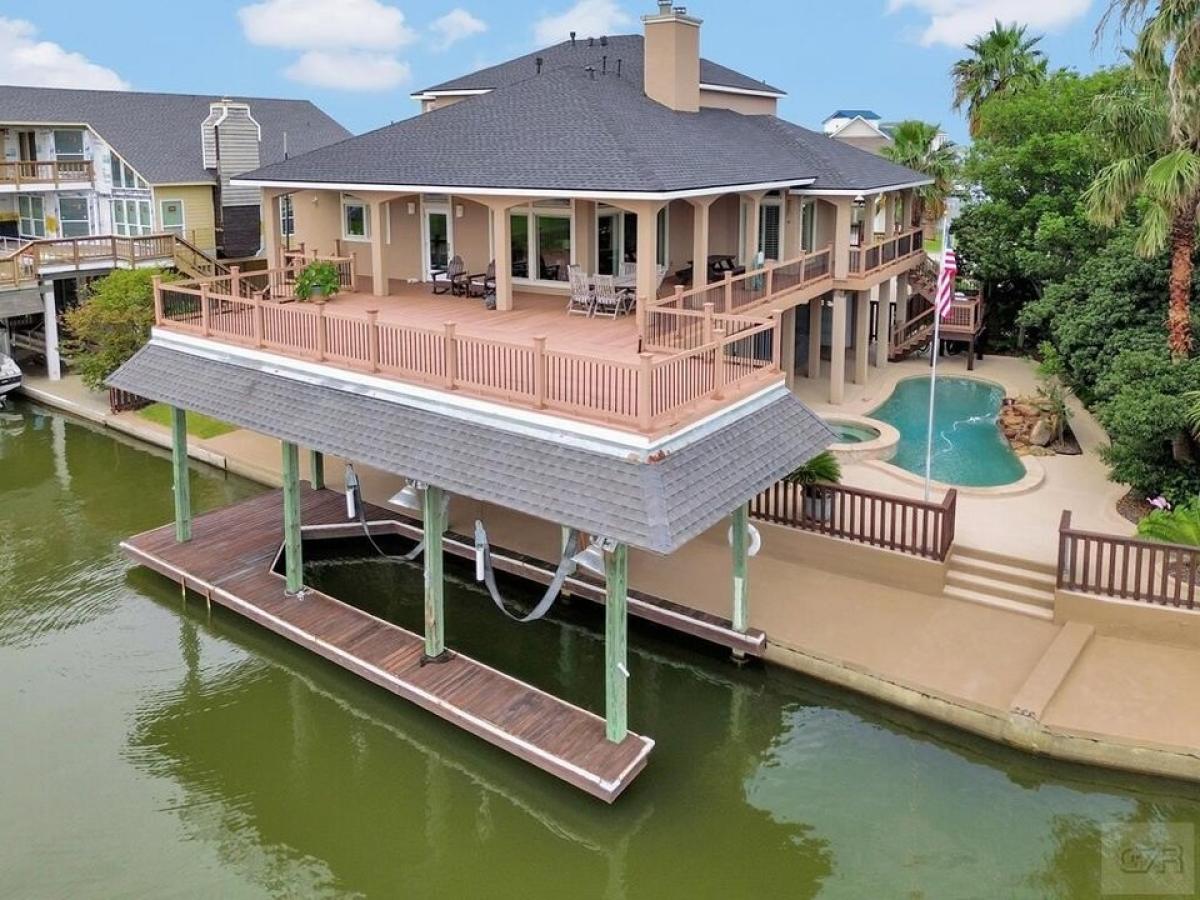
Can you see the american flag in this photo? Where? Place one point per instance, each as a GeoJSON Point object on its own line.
{"type": "Point", "coordinates": [945, 284]}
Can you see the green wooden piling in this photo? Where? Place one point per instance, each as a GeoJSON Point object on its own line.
{"type": "Point", "coordinates": [294, 560]}
{"type": "Point", "coordinates": [616, 630]}
{"type": "Point", "coordinates": [741, 583]}
{"type": "Point", "coordinates": [316, 470]}
{"type": "Point", "coordinates": [435, 582]}
{"type": "Point", "coordinates": [182, 490]}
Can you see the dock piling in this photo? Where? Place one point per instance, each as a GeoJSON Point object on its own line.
{"type": "Point", "coordinates": [182, 489]}
{"type": "Point", "coordinates": [316, 470]}
{"type": "Point", "coordinates": [434, 513]}
{"type": "Point", "coordinates": [741, 585]}
{"type": "Point", "coordinates": [616, 628]}
{"type": "Point", "coordinates": [293, 559]}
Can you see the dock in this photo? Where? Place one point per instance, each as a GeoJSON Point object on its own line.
{"type": "Point", "coordinates": [229, 560]}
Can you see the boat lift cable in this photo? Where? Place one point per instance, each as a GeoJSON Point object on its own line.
{"type": "Point", "coordinates": [484, 573]}
{"type": "Point", "coordinates": [354, 507]}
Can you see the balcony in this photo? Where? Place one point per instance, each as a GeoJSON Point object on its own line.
{"type": "Point", "coordinates": [533, 357]}
{"type": "Point", "coordinates": [26, 175]}
{"type": "Point", "coordinates": [22, 263]}
{"type": "Point", "coordinates": [884, 257]}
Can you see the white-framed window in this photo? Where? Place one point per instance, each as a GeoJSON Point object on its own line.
{"type": "Point", "coordinates": [123, 176]}
{"type": "Point", "coordinates": [68, 144]}
{"type": "Point", "coordinates": [356, 221]}
{"type": "Point", "coordinates": [132, 217]}
{"type": "Point", "coordinates": [171, 216]}
{"type": "Point", "coordinates": [770, 228]}
{"type": "Point", "coordinates": [31, 216]}
{"type": "Point", "coordinates": [808, 226]}
{"type": "Point", "coordinates": [74, 217]}
{"type": "Point", "coordinates": [287, 216]}
{"type": "Point", "coordinates": [616, 238]}
{"type": "Point", "coordinates": [542, 240]}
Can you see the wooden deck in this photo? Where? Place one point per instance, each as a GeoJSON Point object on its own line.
{"type": "Point", "coordinates": [229, 561]}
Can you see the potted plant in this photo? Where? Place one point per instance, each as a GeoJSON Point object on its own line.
{"type": "Point", "coordinates": [823, 468]}
{"type": "Point", "coordinates": [318, 281]}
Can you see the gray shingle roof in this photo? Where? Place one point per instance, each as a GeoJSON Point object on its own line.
{"type": "Point", "coordinates": [159, 134]}
{"type": "Point", "coordinates": [628, 48]}
{"type": "Point", "coordinates": [568, 130]}
{"type": "Point", "coordinates": [658, 506]}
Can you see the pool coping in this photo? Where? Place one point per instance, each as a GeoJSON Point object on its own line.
{"type": "Point", "coordinates": [880, 448]}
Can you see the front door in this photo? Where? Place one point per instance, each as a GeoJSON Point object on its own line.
{"type": "Point", "coordinates": [171, 219]}
{"type": "Point", "coordinates": [438, 249]}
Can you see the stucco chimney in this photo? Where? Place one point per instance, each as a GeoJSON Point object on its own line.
{"type": "Point", "coordinates": [673, 58]}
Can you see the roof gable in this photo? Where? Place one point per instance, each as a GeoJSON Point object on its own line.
{"type": "Point", "coordinates": [868, 114]}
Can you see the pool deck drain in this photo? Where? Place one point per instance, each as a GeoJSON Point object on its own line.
{"type": "Point", "coordinates": [229, 562]}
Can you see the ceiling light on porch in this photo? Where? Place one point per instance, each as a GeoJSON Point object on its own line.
{"type": "Point", "coordinates": [410, 497]}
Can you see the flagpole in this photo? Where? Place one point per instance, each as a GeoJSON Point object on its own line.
{"type": "Point", "coordinates": [937, 339]}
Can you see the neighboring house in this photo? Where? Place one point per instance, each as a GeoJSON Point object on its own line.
{"type": "Point", "coordinates": [865, 129]}
{"type": "Point", "coordinates": [77, 166]}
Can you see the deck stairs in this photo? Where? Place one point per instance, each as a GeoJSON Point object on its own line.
{"type": "Point", "coordinates": [1000, 581]}
{"type": "Point", "coordinates": [194, 262]}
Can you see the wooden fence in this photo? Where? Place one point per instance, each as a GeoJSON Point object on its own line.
{"type": "Point", "coordinates": [881, 253]}
{"type": "Point", "coordinates": [46, 172]}
{"type": "Point", "coordinates": [123, 401]}
{"type": "Point", "coordinates": [1127, 568]}
{"type": "Point", "coordinates": [894, 523]}
{"type": "Point", "coordinates": [32, 259]}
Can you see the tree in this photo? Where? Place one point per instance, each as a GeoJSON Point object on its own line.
{"type": "Point", "coordinates": [1002, 60]}
{"type": "Point", "coordinates": [111, 324]}
{"type": "Point", "coordinates": [918, 146]}
{"type": "Point", "coordinates": [1193, 400]}
{"type": "Point", "coordinates": [1153, 125]}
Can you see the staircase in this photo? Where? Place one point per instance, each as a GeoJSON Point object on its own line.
{"type": "Point", "coordinates": [194, 262]}
{"type": "Point", "coordinates": [1000, 581]}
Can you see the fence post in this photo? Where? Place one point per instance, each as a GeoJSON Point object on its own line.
{"type": "Point", "coordinates": [539, 371]}
{"type": "Point", "coordinates": [259, 330]}
{"type": "Point", "coordinates": [158, 300]}
{"type": "Point", "coordinates": [450, 348]}
{"type": "Point", "coordinates": [706, 334]}
{"type": "Point", "coordinates": [728, 291]}
{"type": "Point", "coordinates": [770, 279]}
{"type": "Point", "coordinates": [777, 340]}
{"type": "Point", "coordinates": [645, 391]}
{"type": "Point", "coordinates": [718, 363]}
{"type": "Point", "coordinates": [235, 281]}
{"type": "Point", "coordinates": [950, 515]}
{"type": "Point", "coordinates": [373, 338]}
{"type": "Point", "coordinates": [1064, 525]}
{"type": "Point", "coordinates": [204, 325]}
{"type": "Point", "coordinates": [323, 333]}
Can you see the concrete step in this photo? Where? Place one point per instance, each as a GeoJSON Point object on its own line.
{"type": "Point", "coordinates": [1001, 587]}
{"type": "Point", "coordinates": [1025, 609]}
{"type": "Point", "coordinates": [976, 553]}
{"type": "Point", "coordinates": [1038, 578]}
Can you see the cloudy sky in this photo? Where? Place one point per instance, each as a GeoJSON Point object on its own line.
{"type": "Point", "coordinates": [360, 59]}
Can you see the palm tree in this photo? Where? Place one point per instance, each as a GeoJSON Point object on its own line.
{"type": "Point", "coordinates": [1192, 398]}
{"type": "Point", "coordinates": [1004, 59]}
{"type": "Point", "coordinates": [920, 146]}
{"type": "Point", "coordinates": [1153, 127]}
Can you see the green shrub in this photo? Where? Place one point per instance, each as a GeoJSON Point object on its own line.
{"type": "Point", "coordinates": [822, 468]}
{"type": "Point", "coordinates": [319, 278]}
{"type": "Point", "coordinates": [1180, 525]}
{"type": "Point", "coordinates": [111, 323]}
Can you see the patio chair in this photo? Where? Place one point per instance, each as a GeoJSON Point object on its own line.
{"type": "Point", "coordinates": [483, 284]}
{"type": "Point", "coordinates": [582, 300]}
{"type": "Point", "coordinates": [453, 280]}
{"type": "Point", "coordinates": [609, 301]}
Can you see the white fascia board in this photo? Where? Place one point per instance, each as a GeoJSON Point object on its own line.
{"type": "Point", "coordinates": [461, 92]}
{"type": "Point", "coordinates": [546, 193]}
{"type": "Point", "coordinates": [854, 192]}
{"type": "Point", "coordinates": [723, 89]}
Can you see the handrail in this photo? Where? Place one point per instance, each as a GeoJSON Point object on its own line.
{"type": "Point", "coordinates": [43, 172]}
{"type": "Point", "coordinates": [915, 527]}
{"type": "Point", "coordinates": [648, 396]}
{"type": "Point", "coordinates": [880, 253]}
{"type": "Point", "coordinates": [26, 264]}
{"type": "Point", "coordinates": [1127, 568]}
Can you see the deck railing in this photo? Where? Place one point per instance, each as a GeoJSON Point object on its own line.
{"type": "Point", "coordinates": [882, 253]}
{"type": "Point", "coordinates": [46, 173]}
{"type": "Point", "coordinates": [649, 395]}
{"type": "Point", "coordinates": [914, 527]}
{"type": "Point", "coordinates": [32, 259]}
{"type": "Point", "coordinates": [1127, 568]}
{"type": "Point", "coordinates": [673, 322]}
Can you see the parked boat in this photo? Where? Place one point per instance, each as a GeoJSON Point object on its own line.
{"type": "Point", "coordinates": [10, 377]}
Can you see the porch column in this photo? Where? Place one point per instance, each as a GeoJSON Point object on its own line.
{"type": "Point", "coordinates": [753, 211]}
{"type": "Point", "coordinates": [269, 215]}
{"type": "Point", "coordinates": [889, 214]}
{"type": "Point", "coordinates": [883, 342]}
{"type": "Point", "coordinates": [907, 201]}
{"type": "Point", "coordinates": [787, 345]}
{"type": "Point", "coordinates": [701, 206]}
{"type": "Point", "coordinates": [815, 315]}
{"type": "Point", "coordinates": [837, 350]}
{"type": "Point", "coordinates": [869, 212]}
{"type": "Point", "coordinates": [502, 240]}
{"type": "Point", "coordinates": [862, 333]}
{"type": "Point", "coordinates": [647, 259]}
{"type": "Point", "coordinates": [616, 627]}
{"type": "Point", "coordinates": [316, 470]}
{"type": "Point", "coordinates": [585, 235]}
{"type": "Point", "coordinates": [50, 311]}
{"type": "Point", "coordinates": [741, 584]}
{"type": "Point", "coordinates": [380, 209]}
{"type": "Point", "coordinates": [179, 466]}
{"type": "Point", "coordinates": [435, 582]}
{"type": "Point", "coordinates": [292, 551]}
{"type": "Point", "coordinates": [793, 226]}
{"type": "Point", "coordinates": [842, 213]}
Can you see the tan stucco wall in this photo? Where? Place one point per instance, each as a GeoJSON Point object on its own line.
{"type": "Point", "coordinates": [471, 233]}
{"type": "Point", "coordinates": [1130, 620]}
{"type": "Point", "coordinates": [826, 220]}
{"type": "Point", "coordinates": [402, 257]}
{"type": "Point", "coordinates": [442, 102]}
{"type": "Point", "coordinates": [680, 222]}
{"type": "Point", "coordinates": [870, 144]}
{"type": "Point", "coordinates": [199, 219]}
{"type": "Point", "coordinates": [723, 225]}
{"type": "Point", "coordinates": [672, 63]}
{"type": "Point", "coordinates": [318, 218]}
{"type": "Point", "coordinates": [745, 104]}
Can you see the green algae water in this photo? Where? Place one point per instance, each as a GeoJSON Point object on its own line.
{"type": "Point", "coordinates": [150, 748]}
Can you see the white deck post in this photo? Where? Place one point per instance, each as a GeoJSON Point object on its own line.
{"type": "Point", "coordinates": [50, 310]}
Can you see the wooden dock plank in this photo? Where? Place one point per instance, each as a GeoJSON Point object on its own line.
{"type": "Point", "coordinates": [229, 560]}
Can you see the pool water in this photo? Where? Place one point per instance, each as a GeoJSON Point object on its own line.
{"type": "Point", "coordinates": [852, 433]}
{"type": "Point", "coordinates": [968, 447]}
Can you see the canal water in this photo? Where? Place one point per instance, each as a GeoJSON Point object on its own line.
{"type": "Point", "coordinates": [151, 748]}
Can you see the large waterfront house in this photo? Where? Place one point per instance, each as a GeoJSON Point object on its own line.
{"type": "Point", "coordinates": [90, 180]}
{"type": "Point", "coordinates": [576, 286]}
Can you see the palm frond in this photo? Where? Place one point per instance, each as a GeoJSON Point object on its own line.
{"type": "Point", "coordinates": [1154, 232]}
{"type": "Point", "coordinates": [1174, 179]}
{"type": "Point", "coordinates": [1113, 189]}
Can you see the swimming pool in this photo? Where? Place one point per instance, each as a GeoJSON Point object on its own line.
{"type": "Point", "coordinates": [968, 446]}
{"type": "Point", "coordinates": [853, 432]}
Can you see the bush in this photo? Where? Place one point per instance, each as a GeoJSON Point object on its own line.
{"type": "Point", "coordinates": [1180, 525]}
{"type": "Point", "coordinates": [111, 323]}
{"type": "Point", "coordinates": [822, 468]}
{"type": "Point", "coordinates": [319, 278]}
{"type": "Point", "coordinates": [1143, 407]}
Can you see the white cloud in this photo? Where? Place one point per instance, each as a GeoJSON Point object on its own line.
{"type": "Point", "coordinates": [454, 26]}
{"type": "Point", "coordinates": [349, 70]}
{"type": "Point", "coordinates": [587, 18]}
{"type": "Point", "coordinates": [27, 61]}
{"type": "Point", "coordinates": [322, 25]}
{"type": "Point", "coordinates": [956, 22]}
